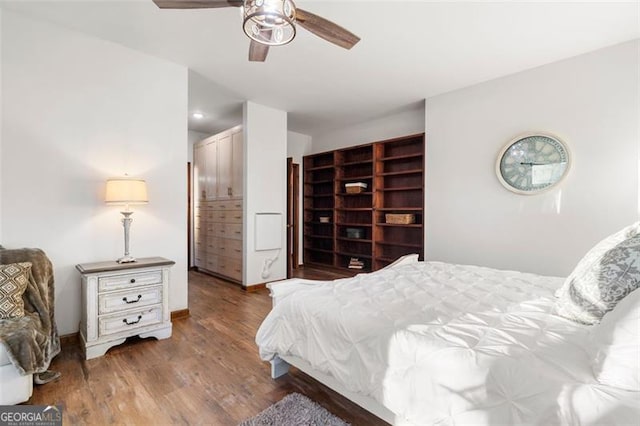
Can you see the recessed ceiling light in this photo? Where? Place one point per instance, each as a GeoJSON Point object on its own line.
{"type": "Point", "coordinates": [197, 115]}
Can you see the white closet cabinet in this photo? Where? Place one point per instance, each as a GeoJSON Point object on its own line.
{"type": "Point", "coordinates": [218, 220]}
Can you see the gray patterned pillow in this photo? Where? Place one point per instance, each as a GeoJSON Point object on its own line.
{"type": "Point", "coordinates": [14, 278]}
{"type": "Point", "coordinates": [601, 280]}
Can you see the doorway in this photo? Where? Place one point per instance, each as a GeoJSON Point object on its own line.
{"type": "Point", "coordinates": [293, 215]}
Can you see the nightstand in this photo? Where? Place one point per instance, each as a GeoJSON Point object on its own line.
{"type": "Point", "coordinates": [121, 300]}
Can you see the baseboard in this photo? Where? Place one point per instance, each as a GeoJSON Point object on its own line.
{"type": "Point", "coordinates": [72, 339]}
{"type": "Point", "coordinates": [254, 288]}
{"type": "Point", "coordinates": [181, 314]}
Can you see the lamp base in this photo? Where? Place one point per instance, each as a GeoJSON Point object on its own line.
{"type": "Point", "coordinates": [126, 259]}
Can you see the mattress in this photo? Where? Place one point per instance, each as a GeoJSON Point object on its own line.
{"type": "Point", "coordinates": [447, 344]}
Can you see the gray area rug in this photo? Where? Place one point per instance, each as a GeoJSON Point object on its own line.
{"type": "Point", "coordinates": [295, 410]}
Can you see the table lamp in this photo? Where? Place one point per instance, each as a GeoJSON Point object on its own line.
{"type": "Point", "coordinates": [126, 191]}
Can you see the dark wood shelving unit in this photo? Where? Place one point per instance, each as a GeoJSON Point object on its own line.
{"type": "Point", "coordinates": [399, 171]}
{"type": "Point", "coordinates": [393, 171]}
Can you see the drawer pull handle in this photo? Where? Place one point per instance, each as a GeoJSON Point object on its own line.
{"type": "Point", "coordinates": [132, 322]}
{"type": "Point", "coordinates": [238, 250]}
{"type": "Point", "coordinates": [222, 217]}
{"type": "Point", "coordinates": [238, 232]}
{"type": "Point", "coordinates": [124, 299]}
{"type": "Point", "coordinates": [133, 280]}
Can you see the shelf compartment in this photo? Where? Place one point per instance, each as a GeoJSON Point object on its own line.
{"type": "Point", "coordinates": [394, 252]}
{"type": "Point", "coordinates": [354, 178]}
{"type": "Point", "coordinates": [401, 173]}
{"type": "Point", "coordinates": [356, 240]}
{"type": "Point", "coordinates": [356, 163]}
{"type": "Point", "coordinates": [402, 188]}
{"type": "Point", "coordinates": [319, 195]}
{"type": "Point", "coordinates": [317, 168]}
{"type": "Point", "coordinates": [328, 237]}
{"type": "Point", "coordinates": [402, 157]}
{"type": "Point", "coordinates": [399, 209]}
{"type": "Point", "coordinates": [319, 160]}
{"type": "Point", "coordinates": [354, 224]}
{"type": "Point", "coordinates": [391, 243]}
{"type": "Point", "coordinates": [318, 250]}
{"type": "Point", "coordinates": [410, 235]}
{"type": "Point", "coordinates": [354, 155]}
{"type": "Point", "coordinates": [351, 194]}
{"type": "Point", "coordinates": [411, 225]}
{"type": "Point", "coordinates": [358, 255]}
{"type": "Point", "coordinates": [316, 182]}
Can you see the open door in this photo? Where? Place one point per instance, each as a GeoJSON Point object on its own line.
{"type": "Point", "coordinates": [293, 215]}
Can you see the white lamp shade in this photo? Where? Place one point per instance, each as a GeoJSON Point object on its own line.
{"type": "Point", "coordinates": [126, 191]}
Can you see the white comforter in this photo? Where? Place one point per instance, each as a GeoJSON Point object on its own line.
{"type": "Point", "coordinates": [447, 344]}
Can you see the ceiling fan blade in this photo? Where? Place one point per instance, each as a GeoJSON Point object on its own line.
{"type": "Point", "coordinates": [326, 29]}
{"type": "Point", "coordinates": [258, 51]}
{"type": "Point", "coordinates": [196, 4]}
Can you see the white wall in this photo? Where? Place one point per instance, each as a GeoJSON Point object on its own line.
{"type": "Point", "coordinates": [265, 186]}
{"type": "Point", "coordinates": [78, 110]}
{"type": "Point", "coordinates": [407, 121]}
{"type": "Point", "coordinates": [591, 102]}
{"type": "Point", "coordinates": [299, 145]}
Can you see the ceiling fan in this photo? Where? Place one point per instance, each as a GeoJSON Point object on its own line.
{"type": "Point", "coordinates": [271, 23]}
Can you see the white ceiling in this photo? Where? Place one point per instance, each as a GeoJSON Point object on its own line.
{"type": "Point", "coordinates": [410, 50]}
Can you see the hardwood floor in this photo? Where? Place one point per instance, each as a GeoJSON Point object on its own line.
{"type": "Point", "coordinates": [209, 372]}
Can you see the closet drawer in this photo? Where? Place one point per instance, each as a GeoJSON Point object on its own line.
{"type": "Point", "coordinates": [231, 216]}
{"type": "Point", "coordinates": [211, 263]}
{"type": "Point", "coordinates": [125, 322]}
{"type": "Point", "coordinates": [130, 299]}
{"type": "Point", "coordinates": [117, 282]}
{"type": "Point", "coordinates": [230, 248]}
{"type": "Point", "coordinates": [233, 231]}
{"type": "Point", "coordinates": [227, 205]}
{"type": "Point", "coordinates": [213, 243]}
{"type": "Point", "coordinates": [231, 268]}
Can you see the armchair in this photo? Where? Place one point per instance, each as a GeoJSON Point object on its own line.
{"type": "Point", "coordinates": [29, 343]}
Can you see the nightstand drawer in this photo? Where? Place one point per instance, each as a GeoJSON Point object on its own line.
{"type": "Point", "coordinates": [121, 323]}
{"type": "Point", "coordinates": [117, 282]}
{"type": "Point", "coordinates": [130, 299]}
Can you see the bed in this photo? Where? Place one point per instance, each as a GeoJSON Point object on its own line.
{"type": "Point", "coordinates": [422, 343]}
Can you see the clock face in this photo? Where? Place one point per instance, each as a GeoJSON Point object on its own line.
{"type": "Point", "coordinates": [532, 164]}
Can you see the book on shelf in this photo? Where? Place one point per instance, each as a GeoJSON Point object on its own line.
{"type": "Point", "coordinates": [355, 263]}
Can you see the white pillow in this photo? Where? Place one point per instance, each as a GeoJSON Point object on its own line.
{"type": "Point", "coordinates": [615, 345]}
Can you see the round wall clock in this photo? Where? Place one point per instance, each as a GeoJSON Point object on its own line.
{"type": "Point", "coordinates": [532, 163]}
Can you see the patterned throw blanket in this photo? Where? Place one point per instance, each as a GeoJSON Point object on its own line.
{"type": "Point", "coordinates": [32, 341]}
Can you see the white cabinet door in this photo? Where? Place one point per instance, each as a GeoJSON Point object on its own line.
{"type": "Point", "coordinates": [199, 174]}
{"type": "Point", "coordinates": [211, 177]}
{"type": "Point", "coordinates": [224, 167]}
{"type": "Point", "coordinates": [237, 164]}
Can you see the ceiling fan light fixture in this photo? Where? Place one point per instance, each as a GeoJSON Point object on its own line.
{"type": "Point", "coordinates": [270, 22]}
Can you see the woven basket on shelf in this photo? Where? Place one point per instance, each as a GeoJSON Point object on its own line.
{"type": "Point", "coordinates": [354, 189]}
{"type": "Point", "coordinates": [400, 219]}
